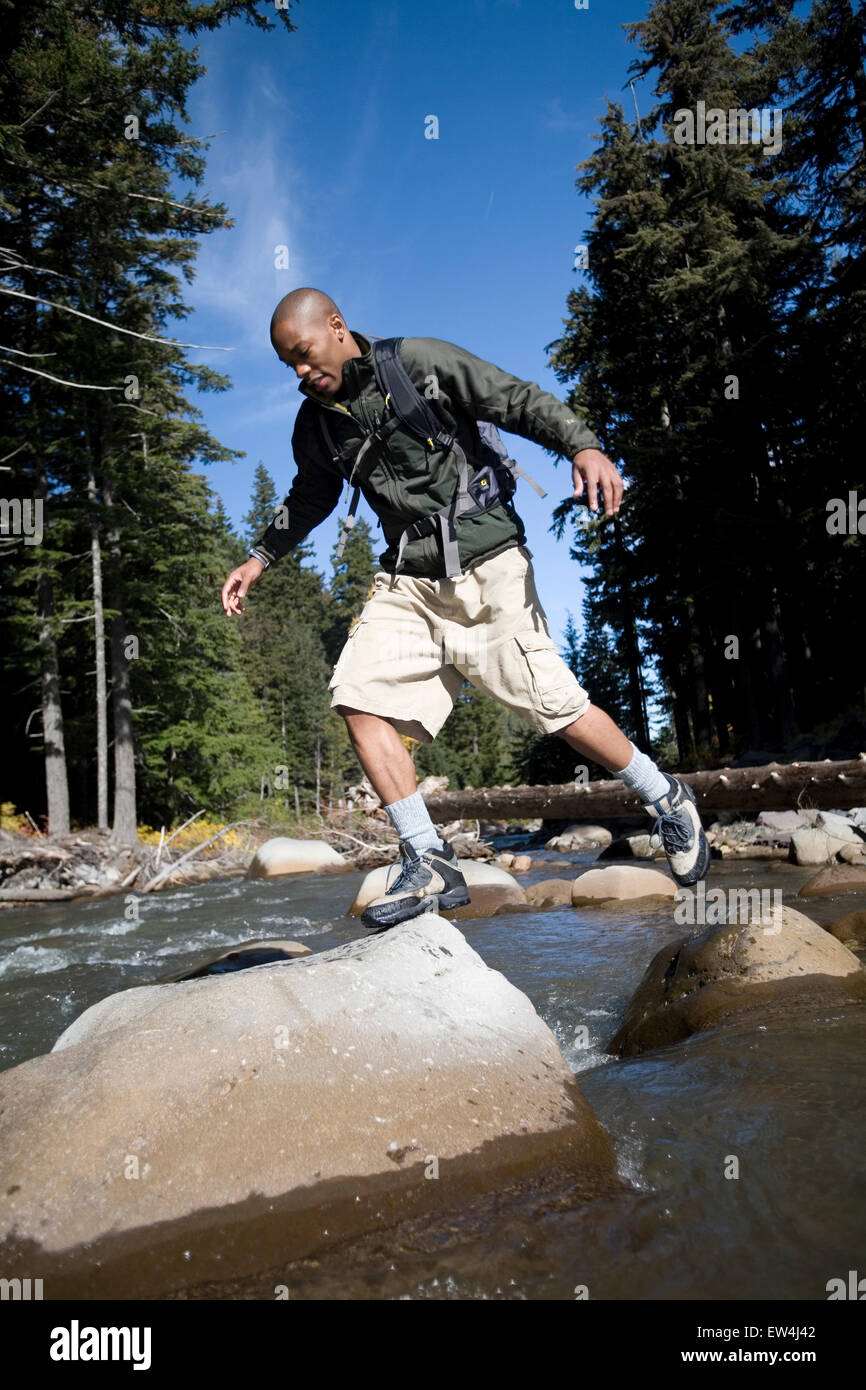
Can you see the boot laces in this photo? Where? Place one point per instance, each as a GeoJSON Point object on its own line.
{"type": "Point", "coordinates": [409, 874]}
{"type": "Point", "coordinates": [674, 831]}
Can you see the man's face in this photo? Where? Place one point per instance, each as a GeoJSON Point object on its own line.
{"type": "Point", "coordinates": [313, 348]}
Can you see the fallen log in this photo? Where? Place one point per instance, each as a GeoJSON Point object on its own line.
{"type": "Point", "coordinates": [46, 895]}
{"type": "Point", "coordinates": [774, 787]}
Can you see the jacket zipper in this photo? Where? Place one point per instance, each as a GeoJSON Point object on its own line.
{"type": "Point", "coordinates": [388, 471]}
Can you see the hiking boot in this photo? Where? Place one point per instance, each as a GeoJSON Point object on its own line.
{"type": "Point", "coordinates": [679, 831]}
{"type": "Point", "coordinates": [426, 882]}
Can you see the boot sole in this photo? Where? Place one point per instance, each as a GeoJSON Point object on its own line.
{"type": "Point", "coordinates": [445, 902]}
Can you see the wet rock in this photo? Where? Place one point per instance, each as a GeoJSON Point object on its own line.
{"type": "Point", "coordinates": [224, 1126]}
{"type": "Point", "coordinates": [488, 898]}
{"type": "Point", "coordinates": [745, 840]}
{"type": "Point", "coordinates": [631, 847]}
{"type": "Point", "coordinates": [832, 836]}
{"type": "Point", "coordinates": [467, 843]}
{"type": "Point", "coordinates": [622, 882]}
{"type": "Point", "coordinates": [784, 820]}
{"type": "Point", "coordinates": [551, 892]}
{"type": "Point", "coordinates": [242, 957]}
{"type": "Point", "coordinates": [836, 878]}
{"type": "Point", "coordinates": [579, 837]}
{"type": "Point", "coordinates": [851, 929]}
{"type": "Point", "coordinates": [691, 984]}
{"type": "Point", "coordinates": [282, 855]}
{"type": "Point", "coordinates": [839, 828]}
{"type": "Point", "coordinates": [521, 863]}
{"type": "Point", "coordinates": [475, 871]}
{"type": "Point", "coordinates": [811, 847]}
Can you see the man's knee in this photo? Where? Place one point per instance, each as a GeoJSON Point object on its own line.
{"type": "Point", "coordinates": [572, 726]}
{"type": "Point", "coordinates": [359, 717]}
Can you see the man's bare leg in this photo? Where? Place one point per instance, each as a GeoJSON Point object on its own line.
{"type": "Point", "coordinates": [596, 736]}
{"type": "Point", "coordinates": [432, 876]}
{"type": "Point", "coordinates": [381, 753]}
{"type": "Point", "coordinates": [669, 800]}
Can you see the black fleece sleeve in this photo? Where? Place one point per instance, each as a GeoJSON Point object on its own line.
{"type": "Point", "coordinates": [489, 393]}
{"type": "Point", "coordinates": [314, 494]}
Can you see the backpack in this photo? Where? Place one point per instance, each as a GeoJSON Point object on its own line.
{"type": "Point", "coordinates": [493, 482]}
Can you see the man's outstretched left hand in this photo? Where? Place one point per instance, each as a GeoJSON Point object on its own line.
{"type": "Point", "coordinates": [594, 470]}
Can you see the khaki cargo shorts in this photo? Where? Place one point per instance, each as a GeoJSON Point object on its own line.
{"type": "Point", "coordinates": [416, 639]}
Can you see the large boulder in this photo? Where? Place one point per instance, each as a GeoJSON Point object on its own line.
{"type": "Point", "coordinates": [836, 878]}
{"type": "Point", "coordinates": [282, 855]}
{"type": "Point", "coordinates": [186, 1133]}
{"type": "Point", "coordinates": [777, 956]}
{"type": "Point", "coordinates": [622, 882]}
{"type": "Point", "coordinates": [477, 873]}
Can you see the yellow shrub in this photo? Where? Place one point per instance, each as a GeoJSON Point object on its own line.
{"type": "Point", "coordinates": [8, 818]}
{"type": "Point", "coordinates": [196, 834]}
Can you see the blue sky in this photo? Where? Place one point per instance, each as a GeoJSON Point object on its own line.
{"type": "Point", "coordinates": [470, 237]}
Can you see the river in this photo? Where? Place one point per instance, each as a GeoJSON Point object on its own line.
{"type": "Point", "coordinates": [787, 1098]}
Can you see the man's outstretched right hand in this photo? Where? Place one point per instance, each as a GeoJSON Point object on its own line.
{"type": "Point", "coordinates": [238, 584]}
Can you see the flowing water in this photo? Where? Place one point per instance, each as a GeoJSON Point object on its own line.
{"type": "Point", "coordinates": [786, 1098]}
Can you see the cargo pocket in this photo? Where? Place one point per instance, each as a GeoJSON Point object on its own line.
{"type": "Point", "coordinates": [551, 683]}
{"type": "Point", "coordinates": [345, 654]}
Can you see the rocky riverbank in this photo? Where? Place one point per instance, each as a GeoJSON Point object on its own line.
{"type": "Point", "coordinates": [40, 868]}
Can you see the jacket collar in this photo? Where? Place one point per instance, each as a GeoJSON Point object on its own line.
{"type": "Point", "coordinates": [350, 367]}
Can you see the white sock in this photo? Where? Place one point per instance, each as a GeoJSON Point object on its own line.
{"type": "Point", "coordinates": [411, 820]}
{"type": "Point", "coordinates": [643, 777]}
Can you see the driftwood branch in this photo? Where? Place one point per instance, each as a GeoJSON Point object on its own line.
{"type": "Point", "coordinates": [160, 878]}
{"type": "Point", "coordinates": [44, 895]}
{"type": "Point", "coordinates": [174, 834]}
{"type": "Point", "coordinates": [774, 787]}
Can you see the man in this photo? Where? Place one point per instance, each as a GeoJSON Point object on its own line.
{"type": "Point", "coordinates": [422, 629]}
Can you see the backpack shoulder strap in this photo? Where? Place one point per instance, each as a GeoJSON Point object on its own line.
{"type": "Point", "coordinates": [412, 410]}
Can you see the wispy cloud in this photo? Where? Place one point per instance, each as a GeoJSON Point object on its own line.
{"type": "Point", "coordinates": [556, 118]}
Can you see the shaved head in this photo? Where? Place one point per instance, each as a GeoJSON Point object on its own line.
{"type": "Point", "coordinates": [302, 307]}
{"type": "Point", "coordinates": [310, 335]}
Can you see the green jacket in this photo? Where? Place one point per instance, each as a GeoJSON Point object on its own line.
{"type": "Point", "coordinates": [409, 480]}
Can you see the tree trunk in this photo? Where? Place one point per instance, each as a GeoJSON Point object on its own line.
{"type": "Point", "coordinates": [125, 829]}
{"type": "Point", "coordinates": [775, 787]}
{"type": "Point", "coordinates": [635, 687]}
{"type": "Point", "coordinates": [56, 782]}
{"type": "Point", "coordinates": [99, 647]}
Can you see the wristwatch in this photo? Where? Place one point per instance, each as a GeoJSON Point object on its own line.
{"type": "Point", "coordinates": [262, 559]}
